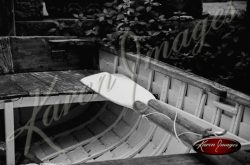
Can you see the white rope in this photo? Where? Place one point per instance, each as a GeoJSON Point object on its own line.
{"type": "Point", "coordinates": [174, 126]}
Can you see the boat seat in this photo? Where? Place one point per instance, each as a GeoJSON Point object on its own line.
{"type": "Point", "coordinates": [43, 84]}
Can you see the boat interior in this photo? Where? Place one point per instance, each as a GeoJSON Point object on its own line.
{"type": "Point", "coordinates": [76, 125]}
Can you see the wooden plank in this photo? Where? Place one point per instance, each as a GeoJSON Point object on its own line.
{"type": "Point", "coordinates": [165, 89]}
{"type": "Point", "coordinates": [96, 127]}
{"type": "Point", "coordinates": [130, 117]}
{"type": "Point", "coordinates": [6, 63]}
{"type": "Point", "coordinates": [246, 115]}
{"type": "Point", "coordinates": [109, 139]}
{"type": "Point", "coordinates": [180, 74]}
{"type": "Point", "coordinates": [148, 150]}
{"type": "Point", "coordinates": [135, 138]}
{"type": "Point", "coordinates": [226, 107]}
{"type": "Point", "coordinates": [183, 159]}
{"type": "Point", "coordinates": [144, 140]}
{"type": "Point", "coordinates": [42, 84]}
{"type": "Point", "coordinates": [77, 154]}
{"type": "Point", "coordinates": [171, 111]}
{"type": "Point", "coordinates": [34, 54]}
{"type": "Point", "coordinates": [165, 123]}
{"type": "Point", "coordinates": [53, 100]}
{"type": "Point", "coordinates": [32, 85]}
{"type": "Point", "coordinates": [94, 147]}
{"type": "Point", "coordinates": [107, 118]}
{"type": "Point", "coordinates": [106, 156]}
{"type": "Point", "coordinates": [61, 159]}
{"type": "Point", "coordinates": [150, 80]}
{"type": "Point", "coordinates": [82, 134]}
{"type": "Point", "coordinates": [36, 149]}
{"type": "Point", "coordinates": [181, 96]}
{"type": "Point", "coordinates": [121, 149]}
{"type": "Point", "coordinates": [244, 131]}
{"type": "Point", "coordinates": [116, 64]}
{"type": "Point", "coordinates": [122, 128]}
{"type": "Point", "coordinates": [200, 109]}
{"type": "Point", "coordinates": [175, 147]}
{"type": "Point", "coordinates": [58, 83]}
{"type": "Point", "coordinates": [159, 133]}
{"type": "Point", "coordinates": [9, 89]}
{"type": "Point", "coordinates": [47, 149]}
{"type": "Point", "coordinates": [66, 141]}
{"type": "Point", "coordinates": [238, 119]}
{"type": "Point", "coordinates": [9, 133]}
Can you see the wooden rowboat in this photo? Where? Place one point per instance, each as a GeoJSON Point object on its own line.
{"type": "Point", "coordinates": [105, 130]}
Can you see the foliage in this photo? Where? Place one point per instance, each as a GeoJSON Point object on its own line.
{"type": "Point", "coordinates": [224, 56]}
{"type": "Point", "coordinates": [25, 10]}
{"type": "Point", "coordinates": [119, 16]}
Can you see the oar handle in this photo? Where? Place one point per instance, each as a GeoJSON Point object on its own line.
{"type": "Point", "coordinates": [171, 111]}
{"type": "Point", "coordinates": [166, 123]}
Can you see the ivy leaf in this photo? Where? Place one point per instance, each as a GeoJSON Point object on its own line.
{"type": "Point", "coordinates": [52, 30]}
{"type": "Point", "coordinates": [156, 4]}
{"type": "Point", "coordinates": [76, 15]}
{"type": "Point", "coordinates": [101, 19]}
{"type": "Point", "coordinates": [162, 18]}
{"type": "Point", "coordinates": [131, 10]}
{"type": "Point", "coordinates": [89, 32]}
{"type": "Point", "coordinates": [119, 25]}
{"type": "Point", "coordinates": [119, 7]}
{"type": "Point", "coordinates": [110, 21]}
{"type": "Point", "coordinates": [151, 21]}
{"type": "Point", "coordinates": [119, 17]}
{"type": "Point", "coordinates": [148, 9]}
{"type": "Point", "coordinates": [140, 8]}
{"type": "Point", "coordinates": [105, 11]}
{"type": "Point", "coordinates": [156, 33]}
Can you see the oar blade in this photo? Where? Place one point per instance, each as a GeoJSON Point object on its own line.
{"type": "Point", "coordinates": [117, 88]}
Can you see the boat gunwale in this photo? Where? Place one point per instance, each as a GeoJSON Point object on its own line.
{"type": "Point", "coordinates": [208, 85]}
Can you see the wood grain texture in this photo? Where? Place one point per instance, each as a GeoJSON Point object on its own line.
{"type": "Point", "coordinates": [43, 84]}
{"type": "Point", "coordinates": [175, 73]}
{"type": "Point", "coordinates": [191, 126]}
{"type": "Point", "coordinates": [165, 123]}
{"type": "Point", "coordinates": [9, 89]}
{"type": "Point", "coordinates": [52, 54]}
{"type": "Point", "coordinates": [6, 63]}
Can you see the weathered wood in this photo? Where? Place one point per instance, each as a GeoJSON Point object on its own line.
{"type": "Point", "coordinates": [197, 81]}
{"type": "Point", "coordinates": [182, 120]}
{"type": "Point", "coordinates": [60, 82]}
{"type": "Point", "coordinates": [166, 123]}
{"type": "Point", "coordinates": [9, 89]}
{"type": "Point", "coordinates": [182, 159]}
{"type": "Point", "coordinates": [41, 54]}
{"type": "Point", "coordinates": [31, 84]}
{"type": "Point", "coordinates": [6, 63]}
{"type": "Point", "coordinates": [43, 84]}
{"type": "Point", "coordinates": [9, 133]}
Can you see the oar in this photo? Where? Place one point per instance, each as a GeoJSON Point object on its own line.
{"type": "Point", "coordinates": [125, 92]}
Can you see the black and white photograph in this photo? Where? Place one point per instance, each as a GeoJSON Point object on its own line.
{"type": "Point", "coordinates": [124, 82]}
